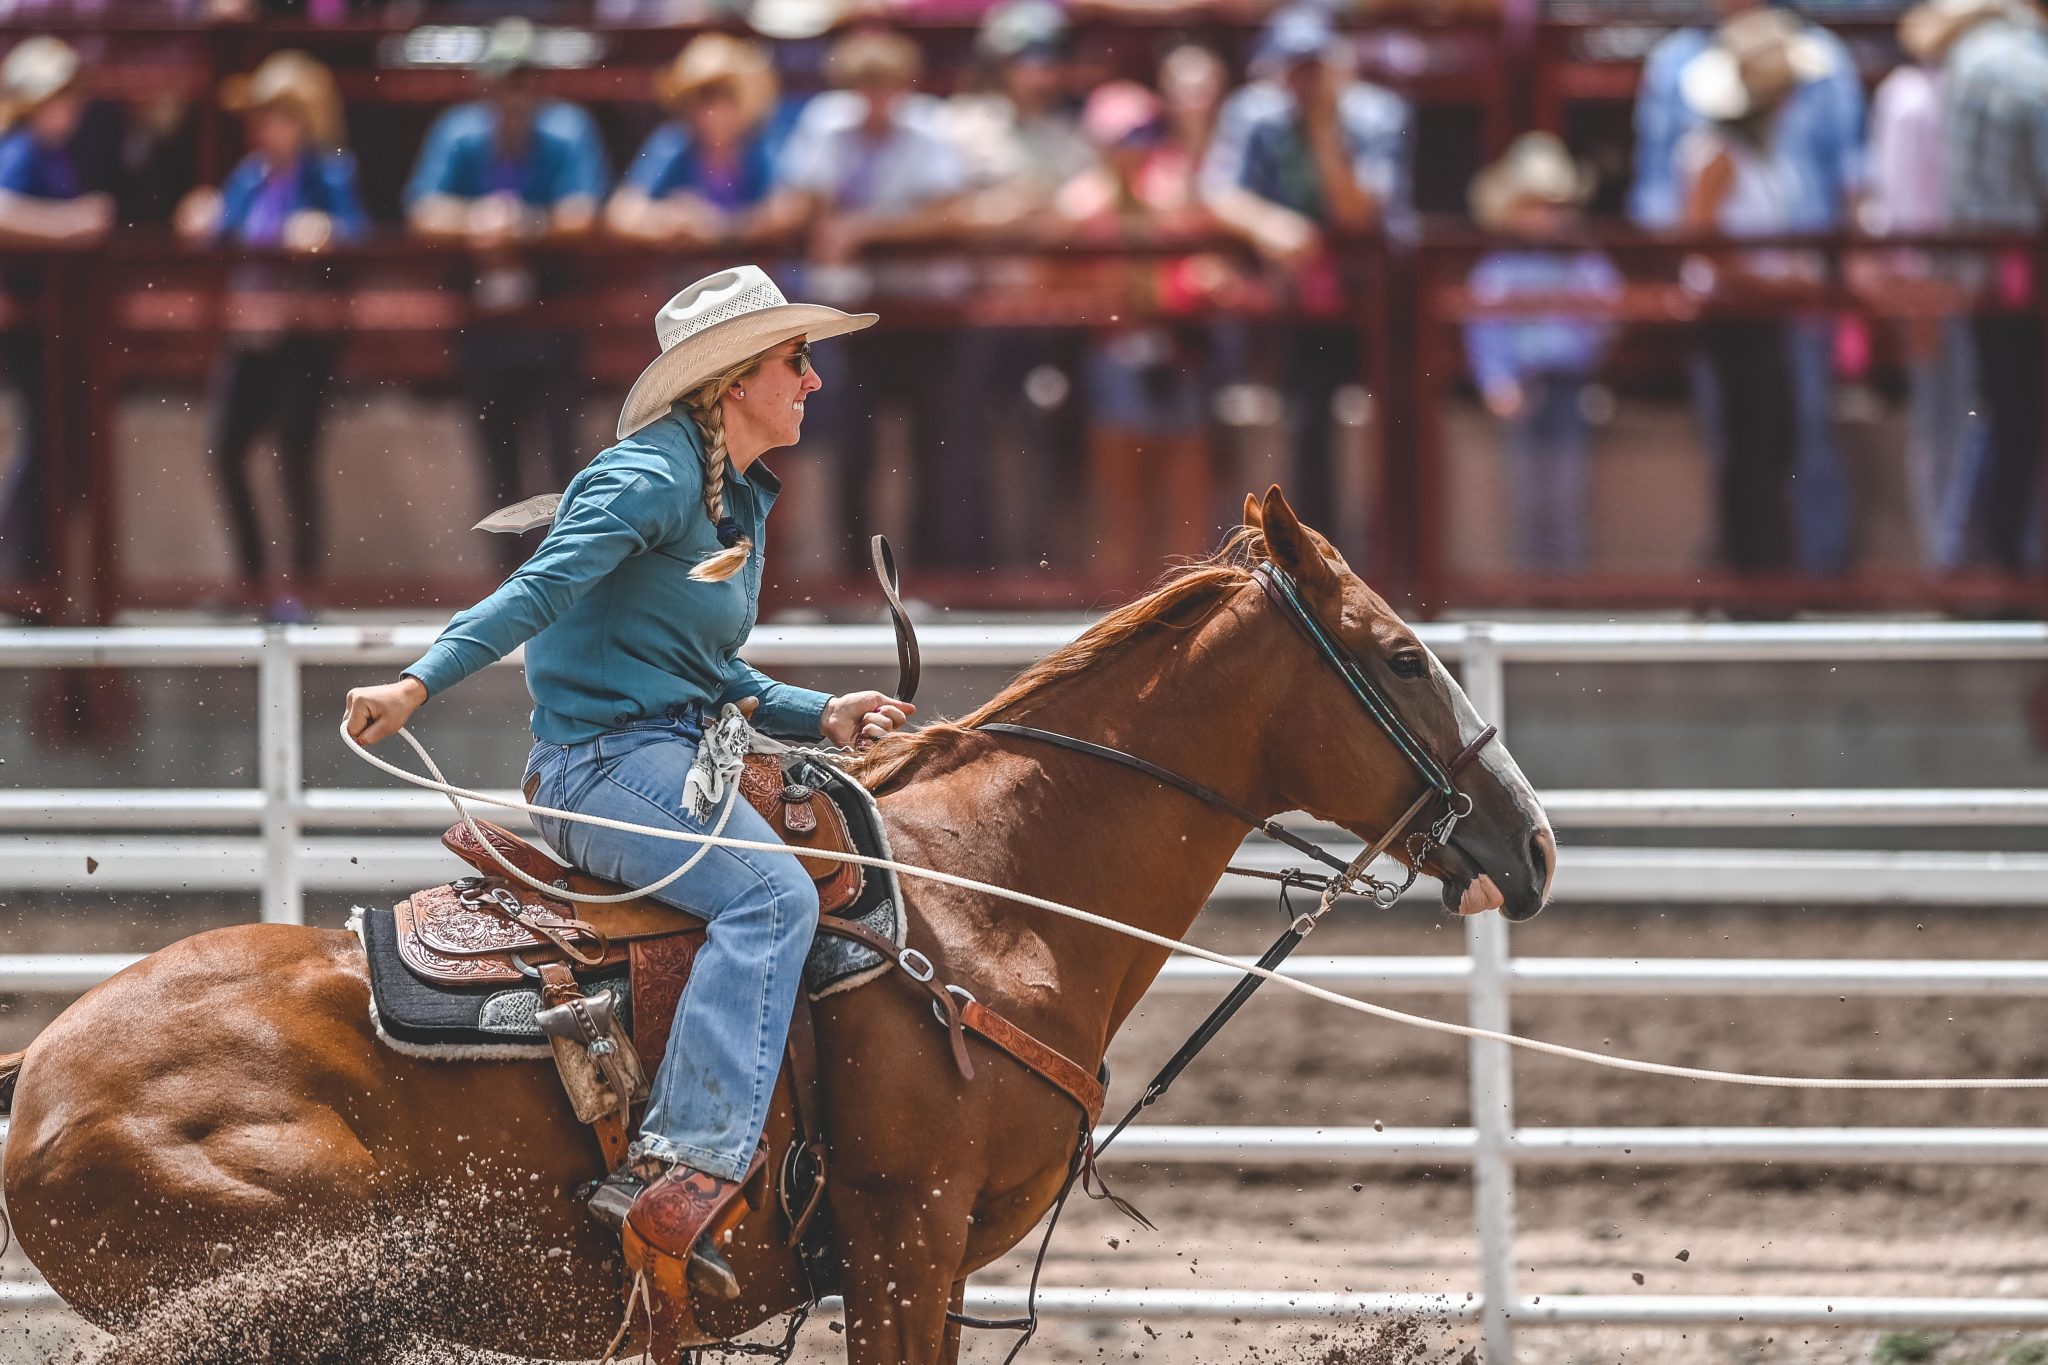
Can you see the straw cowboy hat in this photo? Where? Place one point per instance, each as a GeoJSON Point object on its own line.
{"type": "Point", "coordinates": [721, 59]}
{"type": "Point", "coordinates": [1537, 166]}
{"type": "Point", "coordinates": [716, 323]}
{"type": "Point", "coordinates": [1758, 59]}
{"type": "Point", "coordinates": [291, 80]}
{"type": "Point", "coordinates": [36, 71]}
{"type": "Point", "coordinates": [1928, 29]}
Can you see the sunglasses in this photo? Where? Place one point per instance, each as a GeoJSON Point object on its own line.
{"type": "Point", "coordinates": [800, 359]}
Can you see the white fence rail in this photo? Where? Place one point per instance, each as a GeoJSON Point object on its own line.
{"type": "Point", "coordinates": [282, 839]}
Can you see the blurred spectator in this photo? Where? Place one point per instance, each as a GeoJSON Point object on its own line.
{"type": "Point", "coordinates": [1740, 181]}
{"type": "Point", "coordinates": [295, 190]}
{"type": "Point", "coordinates": [866, 166]}
{"type": "Point", "coordinates": [1995, 129]}
{"type": "Point", "coordinates": [41, 204]}
{"type": "Point", "coordinates": [1148, 455]}
{"type": "Point", "coordinates": [1020, 136]}
{"type": "Point", "coordinates": [1192, 83]}
{"type": "Point", "coordinates": [1818, 135]}
{"type": "Point", "coordinates": [1907, 195]}
{"type": "Point", "coordinates": [1535, 374]}
{"type": "Point", "coordinates": [700, 176]}
{"type": "Point", "coordinates": [1306, 148]}
{"type": "Point", "coordinates": [512, 168]}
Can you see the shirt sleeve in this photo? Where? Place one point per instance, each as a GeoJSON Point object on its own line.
{"type": "Point", "coordinates": [620, 511]}
{"type": "Point", "coordinates": [1224, 165]}
{"type": "Point", "coordinates": [1653, 198]}
{"type": "Point", "coordinates": [1841, 132]}
{"type": "Point", "coordinates": [344, 201]}
{"type": "Point", "coordinates": [654, 171]}
{"type": "Point", "coordinates": [1379, 135]}
{"type": "Point", "coordinates": [785, 709]}
{"type": "Point", "coordinates": [806, 160]}
{"type": "Point", "coordinates": [434, 172]}
{"type": "Point", "coordinates": [1489, 345]}
{"type": "Point", "coordinates": [584, 170]}
{"type": "Point", "coordinates": [18, 165]}
{"type": "Point", "coordinates": [236, 197]}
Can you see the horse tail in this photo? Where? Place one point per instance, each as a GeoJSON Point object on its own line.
{"type": "Point", "coordinates": [10, 1071]}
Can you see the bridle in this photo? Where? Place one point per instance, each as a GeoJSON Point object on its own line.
{"type": "Point", "coordinates": [1440, 779]}
{"type": "Point", "coordinates": [1440, 783]}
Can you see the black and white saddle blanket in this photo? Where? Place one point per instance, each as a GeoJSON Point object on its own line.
{"type": "Point", "coordinates": [430, 1018]}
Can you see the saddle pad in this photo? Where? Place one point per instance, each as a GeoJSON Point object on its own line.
{"type": "Point", "coordinates": [837, 964]}
{"type": "Point", "coordinates": [456, 1023]}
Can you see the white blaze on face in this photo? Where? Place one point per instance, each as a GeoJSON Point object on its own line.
{"type": "Point", "coordinates": [1495, 756]}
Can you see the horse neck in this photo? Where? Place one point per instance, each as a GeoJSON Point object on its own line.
{"type": "Point", "coordinates": [1092, 833]}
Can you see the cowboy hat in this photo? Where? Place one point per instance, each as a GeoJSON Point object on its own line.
{"type": "Point", "coordinates": [36, 71]}
{"type": "Point", "coordinates": [1927, 30]}
{"type": "Point", "coordinates": [298, 82]}
{"type": "Point", "coordinates": [716, 323]}
{"type": "Point", "coordinates": [1758, 58]}
{"type": "Point", "coordinates": [1537, 166]}
{"type": "Point", "coordinates": [721, 59]}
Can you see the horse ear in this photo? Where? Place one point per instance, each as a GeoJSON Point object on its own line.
{"type": "Point", "coordinates": [1292, 546]}
{"type": "Point", "coordinates": [1252, 516]}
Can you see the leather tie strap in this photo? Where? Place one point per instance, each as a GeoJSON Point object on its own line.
{"type": "Point", "coordinates": [961, 1013]}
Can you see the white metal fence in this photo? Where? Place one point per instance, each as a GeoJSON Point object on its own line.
{"type": "Point", "coordinates": [279, 838]}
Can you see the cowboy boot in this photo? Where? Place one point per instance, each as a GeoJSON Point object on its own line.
{"type": "Point", "coordinates": [683, 1218]}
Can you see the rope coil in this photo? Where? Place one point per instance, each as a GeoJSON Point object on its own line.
{"type": "Point", "coordinates": [457, 795]}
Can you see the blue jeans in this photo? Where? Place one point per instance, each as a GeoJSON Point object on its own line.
{"type": "Point", "coordinates": [1549, 473]}
{"type": "Point", "coordinates": [710, 1098]}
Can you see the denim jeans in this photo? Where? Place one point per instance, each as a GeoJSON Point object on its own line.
{"type": "Point", "coordinates": [710, 1098]}
{"type": "Point", "coordinates": [1550, 473]}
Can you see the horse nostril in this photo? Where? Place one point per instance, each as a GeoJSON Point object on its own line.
{"type": "Point", "coordinates": [1543, 858]}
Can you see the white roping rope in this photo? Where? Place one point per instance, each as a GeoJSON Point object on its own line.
{"type": "Point", "coordinates": [1691, 1073]}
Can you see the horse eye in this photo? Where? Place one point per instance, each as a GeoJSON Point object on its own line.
{"type": "Point", "coordinates": [1408, 664]}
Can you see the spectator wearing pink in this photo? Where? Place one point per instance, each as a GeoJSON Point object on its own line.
{"type": "Point", "coordinates": [701, 177]}
{"type": "Point", "coordinates": [1148, 460]}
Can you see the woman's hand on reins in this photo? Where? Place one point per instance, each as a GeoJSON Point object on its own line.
{"type": "Point", "coordinates": [377, 713]}
{"type": "Point", "coordinates": [863, 717]}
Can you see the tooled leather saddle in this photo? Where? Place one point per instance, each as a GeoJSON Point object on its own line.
{"type": "Point", "coordinates": [495, 929]}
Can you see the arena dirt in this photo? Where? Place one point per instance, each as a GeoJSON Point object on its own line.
{"type": "Point", "coordinates": [1855, 1231]}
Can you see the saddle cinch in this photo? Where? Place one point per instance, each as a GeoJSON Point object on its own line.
{"type": "Point", "coordinates": [472, 933]}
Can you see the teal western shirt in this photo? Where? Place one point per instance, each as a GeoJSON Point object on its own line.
{"type": "Point", "coordinates": [615, 628]}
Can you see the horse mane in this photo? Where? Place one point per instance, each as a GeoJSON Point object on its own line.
{"type": "Point", "coordinates": [1168, 603]}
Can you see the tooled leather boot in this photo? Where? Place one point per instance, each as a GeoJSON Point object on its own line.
{"type": "Point", "coordinates": [684, 1217]}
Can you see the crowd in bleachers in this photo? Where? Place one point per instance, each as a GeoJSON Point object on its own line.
{"type": "Point", "coordinates": [1752, 125]}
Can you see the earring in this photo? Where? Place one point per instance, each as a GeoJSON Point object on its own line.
{"type": "Point", "coordinates": [738, 392]}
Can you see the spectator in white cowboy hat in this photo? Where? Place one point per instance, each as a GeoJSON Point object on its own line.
{"type": "Point", "coordinates": [1818, 132]}
{"type": "Point", "coordinates": [1739, 181]}
{"type": "Point", "coordinates": [633, 611]}
{"type": "Point", "coordinates": [1306, 149]}
{"type": "Point", "coordinates": [1535, 374]}
{"type": "Point", "coordinates": [1907, 195]}
{"type": "Point", "coordinates": [295, 191]}
{"type": "Point", "coordinates": [702, 175]}
{"type": "Point", "coordinates": [512, 168]}
{"type": "Point", "coordinates": [865, 165]}
{"type": "Point", "coordinates": [42, 203]}
{"type": "Point", "coordinates": [1995, 140]}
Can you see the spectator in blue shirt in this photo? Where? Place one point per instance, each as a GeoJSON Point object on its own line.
{"type": "Point", "coordinates": [294, 192]}
{"type": "Point", "coordinates": [1819, 133]}
{"type": "Point", "coordinates": [41, 204]}
{"type": "Point", "coordinates": [700, 176]}
{"type": "Point", "coordinates": [1304, 150]}
{"type": "Point", "coordinates": [509, 170]}
{"type": "Point", "coordinates": [1535, 373]}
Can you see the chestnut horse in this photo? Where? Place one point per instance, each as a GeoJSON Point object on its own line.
{"type": "Point", "coordinates": [219, 1127]}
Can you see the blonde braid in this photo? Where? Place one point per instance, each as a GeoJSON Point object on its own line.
{"type": "Point", "coordinates": [705, 404]}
